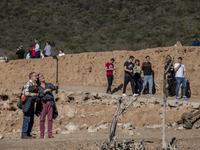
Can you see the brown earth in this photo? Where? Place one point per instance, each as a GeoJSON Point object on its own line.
{"type": "Point", "coordinates": [88, 68]}
{"type": "Point", "coordinates": [86, 72]}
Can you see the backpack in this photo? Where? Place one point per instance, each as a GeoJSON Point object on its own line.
{"type": "Point", "coordinates": [20, 102]}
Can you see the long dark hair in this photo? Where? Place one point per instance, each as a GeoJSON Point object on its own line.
{"type": "Point", "coordinates": [48, 43]}
{"type": "Point", "coordinates": [38, 80]}
{"type": "Point", "coordinates": [138, 62]}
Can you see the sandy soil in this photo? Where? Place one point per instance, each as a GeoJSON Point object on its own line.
{"type": "Point", "coordinates": [82, 140]}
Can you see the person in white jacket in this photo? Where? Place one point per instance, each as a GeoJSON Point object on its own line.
{"type": "Point", "coordinates": [37, 49]}
{"type": "Point", "coordinates": [61, 53]}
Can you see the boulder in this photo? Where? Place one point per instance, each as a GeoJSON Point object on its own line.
{"type": "Point", "coordinates": [174, 103]}
{"type": "Point", "coordinates": [174, 125]}
{"type": "Point", "coordinates": [92, 129]}
{"type": "Point", "coordinates": [103, 126]}
{"type": "Point", "coordinates": [195, 105]}
{"type": "Point", "coordinates": [71, 127]}
{"type": "Point", "coordinates": [130, 133]}
{"type": "Point", "coordinates": [1, 136]}
{"type": "Point", "coordinates": [83, 126]}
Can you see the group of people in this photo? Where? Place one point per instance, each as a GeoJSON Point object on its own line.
{"type": "Point", "coordinates": [36, 51]}
{"type": "Point", "coordinates": [36, 90]}
{"type": "Point", "coordinates": [139, 76]}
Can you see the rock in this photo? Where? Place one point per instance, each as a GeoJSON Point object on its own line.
{"type": "Point", "coordinates": [136, 105]}
{"type": "Point", "coordinates": [92, 129]}
{"type": "Point", "coordinates": [58, 131]}
{"type": "Point", "coordinates": [180, 128]}
{"type": "Point", "coordinates": [1, 136]}
{"type": "Point", "coordinates": [101, 122]}
{"type": "Point", "coordinates": [125, 130]}
{"type": "Point", "coordinates": [119, 124]}
{"type": "Point", "coordinates": [19, 131]}
{"type": "Point", "coordinates": [128, 125]}
{"type": "Point", "coordinates": [83, 116]}
{"type": "Point", "coordinates": [67, 132]}
{"type": "Point", "coordinates": [174, 103]}
{"type": "Point", "coordinates": [130, 133]}
{"type": "Point", "coordinates": [113, 102]}
{"type": "Point", "coordinates": [103, 126]}
{"type": "Point", "coordinates": [83, 126]}
{"type": "Point", "coordinates": [196, 125]}
{"type": "Point", "coordinates": [71, 127]}
{"type": "Point", "coordinates": [195, 105]}
{"type": "Point", "coordinates": [174, 125]}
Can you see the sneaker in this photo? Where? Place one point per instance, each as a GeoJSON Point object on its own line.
{"type": "Point", "coordinates": [41, 136]}
{"type": "Point", "coordinates": [184, 97]}
{"type": "Point", "coordinates": [50, 136]}
{"type": "Point", "coordinates": [177, 98]}
{"type": "Point", "coordinates": [124, 94]}
{"type": "Point", "coordinates": [26, 137]}
{"type": "Point", "coordinates": [134, 95]}
{"type": "Point", "coordinates": [108, 93]}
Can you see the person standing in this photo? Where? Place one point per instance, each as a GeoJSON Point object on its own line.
{"type": "Point", "coordinates": [48, 105]}
{"type": "Point", "coordinates": [128, 76]}
{"type": "Point", "coordinates": [170, 77]}
{"type": "Point", "coordinates": [20, 52]}
{"type": "Point", "coordinates": [109, 72]}
{"type": "Point", "coordinates": [180, 75]}
{"type": "Point", "coordinates": [147, 75]}
{"type": "Point", "coordinates": [47, 49]}
{"type": "Point", "coordinates": [37, 48]}
{"type": "Point", "coordinates": [28, 117]}
{"type": "Point", "coordinates": [137, 75]}
{"type": "Point", "coordinates": [32, 52]}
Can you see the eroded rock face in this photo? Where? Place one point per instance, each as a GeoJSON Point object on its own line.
{"type": "Point", "coordinates": [88, 66]}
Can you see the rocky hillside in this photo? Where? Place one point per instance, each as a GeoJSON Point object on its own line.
{"type": "Point", "coordinates": [88, 68]}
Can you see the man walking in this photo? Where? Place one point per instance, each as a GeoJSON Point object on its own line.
{"type": "Point", "coordinates": [109, 72]}
{"type": "Point", "coordinates": [147, 75]}
{"type": "Point", "coordinates": [20, 52]}
{"type": "Point", "coordinates": [28, 118]}
{"type": "Point", "coordinates": [180, 75]}
{"type": "Point", "coordinates": [37, 49]}
{"type": "Point", "coordinates": [128, 76]}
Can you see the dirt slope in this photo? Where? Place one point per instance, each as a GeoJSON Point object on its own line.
{"type": "Point", "coordinates": [88, 68]}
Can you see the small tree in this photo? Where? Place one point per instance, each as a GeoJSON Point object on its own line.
{"type": "Point", "coordinates": [164, 144]}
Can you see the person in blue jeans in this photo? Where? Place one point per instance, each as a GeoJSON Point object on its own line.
{"type": "Point", "coordinates": [28, 118]}
{"type": "Point", "coordinates": [180, 75]}
{"type": "Point", "coordinates": [147, 75]}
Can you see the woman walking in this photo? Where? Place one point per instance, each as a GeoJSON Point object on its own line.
{"type": "Point", "coordinates": [47, 49]}
{"type": "Point", "coordinates": [47, 105]}
{"type": "Point", "coordinates": [137, 75]}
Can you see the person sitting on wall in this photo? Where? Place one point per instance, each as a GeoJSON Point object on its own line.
{"type": "Point", "coordinates": [61, 53]}
{"type": "Point", "coordinates": [196, 42]}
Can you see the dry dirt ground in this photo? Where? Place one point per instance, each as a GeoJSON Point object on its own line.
{"type": "Point", "coordinates": [82, 140]}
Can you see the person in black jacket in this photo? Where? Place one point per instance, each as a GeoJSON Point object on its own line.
{"type": "Point", "coordinates": [170, 77]}
{"type": "Point", "coordinates": [47, 106]}
{"type": "Point", "coordinates": [20, 52]}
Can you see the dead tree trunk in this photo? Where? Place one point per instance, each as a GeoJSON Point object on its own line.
{"type": "Point", "coordinates": [164, 144]}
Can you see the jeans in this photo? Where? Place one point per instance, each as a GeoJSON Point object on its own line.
{"type": "Point", "coordinates": [180, 80]}
{"type": "Point", "coordinates": [37, 54]}
{"type": "Point", "coordinates": [149, 79]}
{"type": "Point", "coordinates": [138, 82]}
{"type": "Point", "coordinates": [28, 120]}
{"type": "Point", "coordinates": [110, 80]}
{"type": "Point", "coordinates": [46, 109]}
{"type": "Point", "coordinates": [128, 79]}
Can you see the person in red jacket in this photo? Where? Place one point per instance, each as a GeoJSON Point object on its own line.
{"type": "Point", "coordinates": [32, 53]}
{"type": "Point", "coordinates": [109, 72]}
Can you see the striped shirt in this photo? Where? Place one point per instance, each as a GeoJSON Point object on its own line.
{"type": "Point", "coordinates": [146, 68]}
